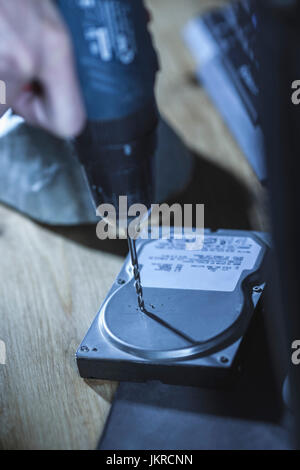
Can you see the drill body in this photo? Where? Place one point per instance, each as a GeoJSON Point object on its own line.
{"type": "Point", "coordinates": [117, 67]}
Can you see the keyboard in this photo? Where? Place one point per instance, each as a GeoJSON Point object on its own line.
{"type": "Point", "coordinates": [223, 42]}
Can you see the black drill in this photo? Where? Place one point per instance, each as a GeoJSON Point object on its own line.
{"type": "Point", "coordinates": [117, 67]}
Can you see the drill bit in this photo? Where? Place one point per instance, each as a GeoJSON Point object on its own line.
{"type": "Point", "coordinates": [136, 273]}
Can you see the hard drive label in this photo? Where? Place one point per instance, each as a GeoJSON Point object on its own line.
{"type": "Point", "coordinates": [216, 267]}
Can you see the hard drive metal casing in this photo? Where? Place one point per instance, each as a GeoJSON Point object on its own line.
{"type": "Point", "coordinates": [199, 305]}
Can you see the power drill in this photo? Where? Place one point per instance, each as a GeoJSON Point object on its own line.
{"type": "Point", "coordinates": [117, 67]}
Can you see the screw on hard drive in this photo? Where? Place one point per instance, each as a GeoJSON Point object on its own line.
{"type": "Point", "coordinates": [224, 360]}
{"type": "Point", "coordinates": [257, 289]}
{"type": "Point", "coordinates": [121, 281]}
{"type": "Point", "coordinates": [84, 349]}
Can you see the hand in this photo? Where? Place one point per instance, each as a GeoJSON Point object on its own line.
{"type": "Point", "coordinates": [37, 67]}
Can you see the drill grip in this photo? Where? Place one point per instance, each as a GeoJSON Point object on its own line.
{"type": "Point", "coordinates": [116, 61]}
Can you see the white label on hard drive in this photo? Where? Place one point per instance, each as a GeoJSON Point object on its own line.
{"type": "Point", "coordinates": [216, 267]}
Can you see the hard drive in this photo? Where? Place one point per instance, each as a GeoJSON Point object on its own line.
{"type": "Point", "coordinates": [199, 304]}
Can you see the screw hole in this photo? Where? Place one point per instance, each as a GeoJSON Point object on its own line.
{"type": "Point", "coordinates": [257, 289]}
{"type": "Point", "coordinates": [224, 360]}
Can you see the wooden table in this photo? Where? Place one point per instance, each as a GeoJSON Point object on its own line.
{"type": "Point", "coordinates": [52, 281]}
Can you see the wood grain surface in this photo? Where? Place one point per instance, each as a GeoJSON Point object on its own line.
{"type": "Point", "coordinates": [52, 281]}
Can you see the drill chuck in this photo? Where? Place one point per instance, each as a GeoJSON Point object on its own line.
{"type": "Point", "coordinates": [118, 167]}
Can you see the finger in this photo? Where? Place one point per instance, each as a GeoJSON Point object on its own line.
{"type": "Point", "coordinates": [60, 108]}
{"type": "Point", "coordinates": [65, 103]}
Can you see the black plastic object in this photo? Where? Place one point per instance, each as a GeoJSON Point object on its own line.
{"type": "Point", "coordinates": [280, 116]}
{"type": "Point", "coordinates": [199, 304]}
